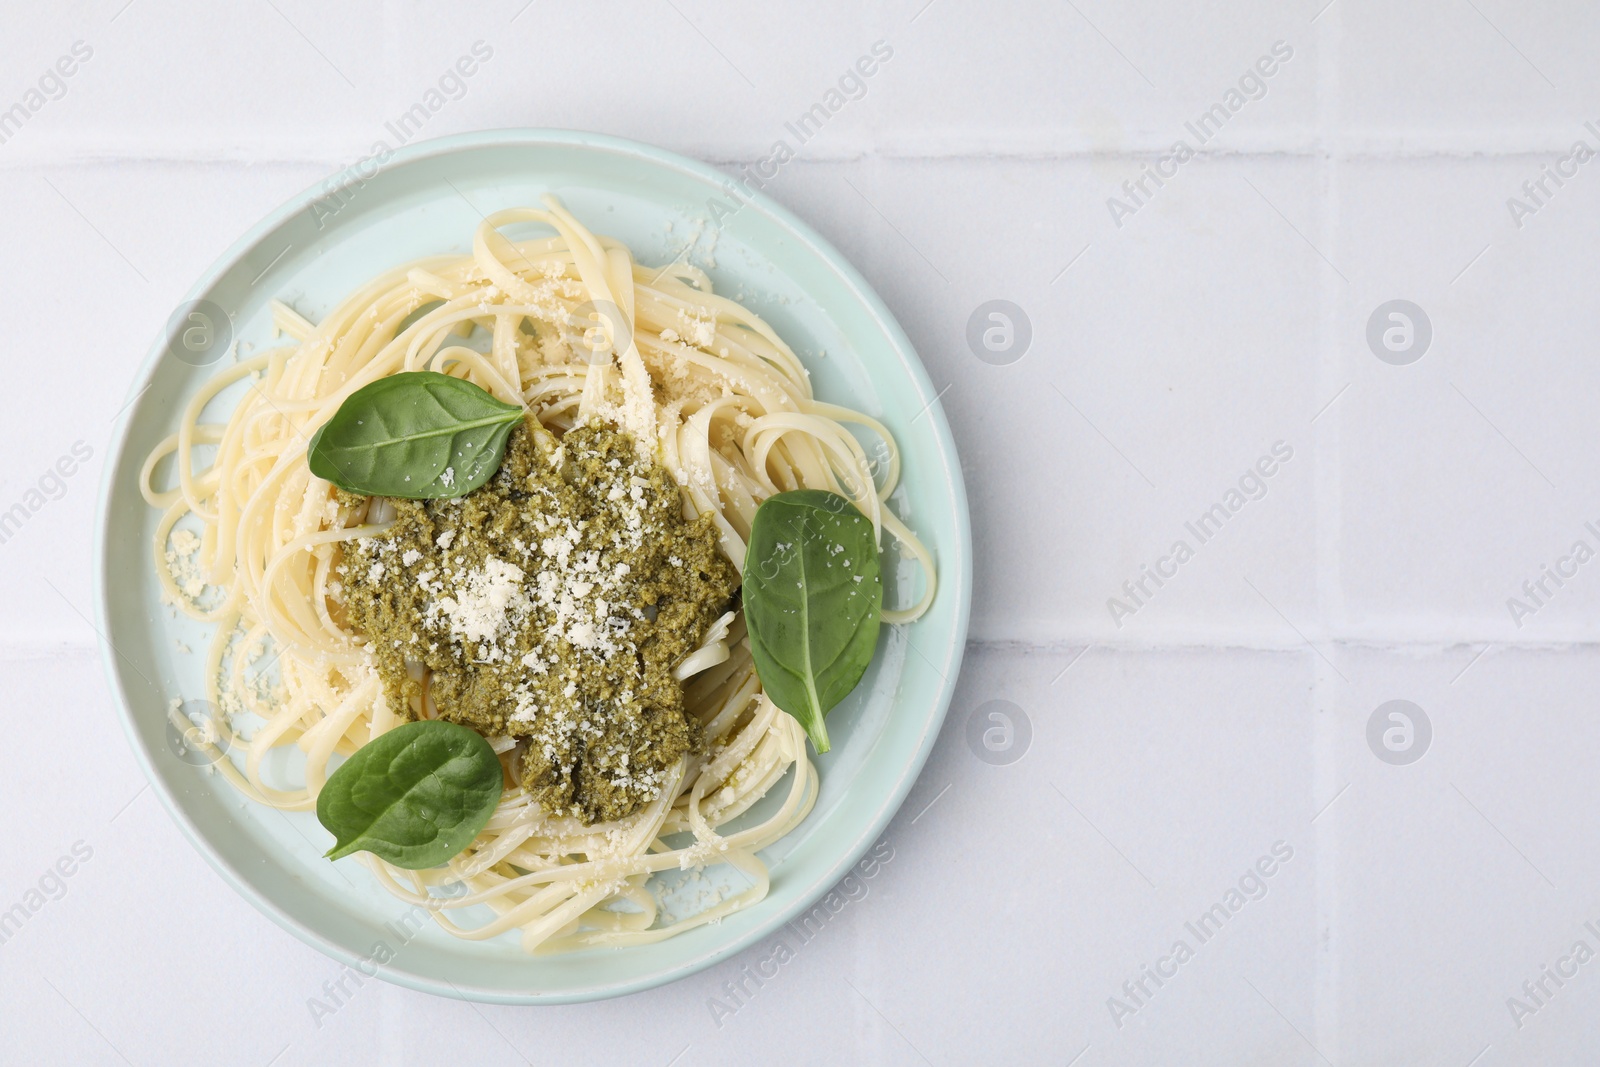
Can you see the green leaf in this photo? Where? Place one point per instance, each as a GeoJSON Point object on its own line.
{"type": "Point", "coordinates": [420, 435]}
{"type": "Point", "coordinates": [415, 796]}
{"type": "Point", "coordinates": [812, 595]}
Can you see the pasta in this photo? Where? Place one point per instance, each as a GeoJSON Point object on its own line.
{"type": "Point", "coordinates": [575, 330]}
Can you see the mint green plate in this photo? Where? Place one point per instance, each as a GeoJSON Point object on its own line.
{"type": "Point", "coordinates": [425, 200]}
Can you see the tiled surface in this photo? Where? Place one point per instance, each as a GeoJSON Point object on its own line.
{"type": "Point", "coordinates": [1176, 737]}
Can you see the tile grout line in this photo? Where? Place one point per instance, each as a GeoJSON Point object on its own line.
{"type": "Point", "coordinates": [1328, 455]}
{"type": "Point", "coordinates": [77, 152]}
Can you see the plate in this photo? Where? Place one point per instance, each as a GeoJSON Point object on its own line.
{"type": "Point", "coordinates": [426, 199]}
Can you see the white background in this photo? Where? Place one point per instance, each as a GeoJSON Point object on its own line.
{"type": "Point", "coordinates": [1168, 353]}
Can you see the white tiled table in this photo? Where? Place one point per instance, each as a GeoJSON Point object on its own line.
{"type": "Point", "coordinates": [1227, 713]}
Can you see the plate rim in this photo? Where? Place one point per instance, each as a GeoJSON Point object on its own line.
{"type": "Point", "coordinates": [956, 581]}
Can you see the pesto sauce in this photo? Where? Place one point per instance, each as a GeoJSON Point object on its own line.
{"type": "Point", "coordinates": [550, 605]}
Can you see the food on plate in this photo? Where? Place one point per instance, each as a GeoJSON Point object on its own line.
{"type": "Point", "coordinates": [532, 570]}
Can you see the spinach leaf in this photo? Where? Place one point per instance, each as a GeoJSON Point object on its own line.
{"type": "Point", "coordinates": [420, 435]}
{"type": "Point", "coordinates": [414, 796]}
{"type": "Point", "coordinates": [812, 593]}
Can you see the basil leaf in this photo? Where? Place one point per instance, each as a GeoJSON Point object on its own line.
{"type": "Point", "coordinates": [420, 435]}
{"type": "Point", "coordinates": [414, 796]}
{"type": "Point", "coordinates": [812, 594]}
